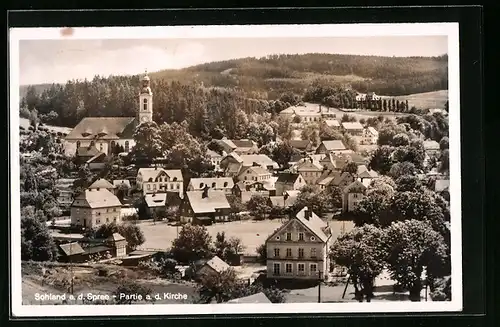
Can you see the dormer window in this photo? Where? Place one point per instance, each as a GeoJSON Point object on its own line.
{"type": "Point", "coordinates": [201, 185]}
{"type": "Point", "coordinates": [225, 184]}
{"type": "Point", "coordinates": [213, 185]}
{"type": "Point", "coordinates": [175, 179]}
{"type": "Point", "coordinates": [85, 134]}
{"type": "Point", "coordinates": [150, 179]}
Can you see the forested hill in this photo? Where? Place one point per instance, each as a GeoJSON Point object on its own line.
{"type": "Point", "coordinates": [383, 75]}
{"type": "Point", "coordinates": [235, 89]}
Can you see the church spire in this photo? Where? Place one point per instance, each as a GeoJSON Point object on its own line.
{"type": "Point", "coordinates": [145, 112]}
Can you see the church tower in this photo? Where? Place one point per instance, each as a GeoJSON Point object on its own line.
{"type": "Point", "coordinates": [145, 113]}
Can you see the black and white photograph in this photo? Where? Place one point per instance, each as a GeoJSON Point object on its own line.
{"type": "Point", "coordinates": [235, 169]}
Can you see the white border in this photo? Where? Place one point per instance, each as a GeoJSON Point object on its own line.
{"type": "Point", "coordinates": [241, 31]}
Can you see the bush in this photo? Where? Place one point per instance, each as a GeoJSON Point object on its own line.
{"type": "Point", "coordinates": [262, 253]}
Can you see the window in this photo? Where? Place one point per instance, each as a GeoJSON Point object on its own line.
{"type": "Point", "coordinates": [301, 253]}
{"type": "Point", "coordinates": [92, 143]}
{"type": "Point", "coordinates": [301, 267]}
{"type": "Point", "coordinates": [149, 187]}
{"type": "Point", "coordinates": [154, 187]}
{"type": "Point", "coordinates": [313, 238]}
{"type": "Point", "coordinates": [171, 186]}
{"type": "Point", "coordinates": [288, 236]}
{"type": "Point", "coordinates": [78, 144]}
{"type": "Point", "coordinates": [301, 236]}
{"type": "Point", "coordinates": [288, 268]}
{"type": "Point", "coordinates": [114, 209]}
{"type": "Point", "coordinates": [101, 146]}
{"type": "Point", "coordinates": [288, 252]}
{"type": "Point", "coordinates": [98, 213]}
{"type": "Point", "coordinates": [107, 220]}
{"type": "Point", "coordinates": [245, 178]}
{"type": "Point", "coordinates": [313, 253]}
{"type": "Point", "coordinates": [114, 219]}
{"type": "Point", "coordinates": [145, 101]}
{"type": "Point", "coordinates": [201, 185]}
{"type": "Point", "coordinates": [127, 148]}
{"type": "Point", "coordinates": [277, 238]}
{"type": "Point", "coordinates": [178, 186]}
{"type": "Point", "coordinates": [213, 185]}
{"type": "Point", "coordinates": [276, 252]}
{"type": "Point", "coordinates": [276, 269]}
{"type": "Point", "coordinates": [313, 268]}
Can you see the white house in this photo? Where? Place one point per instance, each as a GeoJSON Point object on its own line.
{"type": "Point", "coordinates": [158, 180]}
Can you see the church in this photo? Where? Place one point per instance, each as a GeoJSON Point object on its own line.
{"type": "Point", "coordinates": [104, 134]}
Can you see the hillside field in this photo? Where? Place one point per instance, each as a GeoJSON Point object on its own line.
{"type": "Point", "coordinates": [427, 100]}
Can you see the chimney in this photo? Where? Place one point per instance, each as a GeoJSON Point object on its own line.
{"type": "Point", "coordinates": [307, 214]}
{"type": "Point", "coordinates": [205, 192]}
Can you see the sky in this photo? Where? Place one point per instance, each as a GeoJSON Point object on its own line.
{"type": "Point", "coordinates": [57, 61]}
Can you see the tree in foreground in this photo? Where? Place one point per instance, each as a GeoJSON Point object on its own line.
{"type": "Point", "coordinates": [360, 251]}
{"type": "Point", "coordinates": [217, 286]}
{"type": "Point", "coordinates": [225, 248]}
{"type": "Point", "coordinates": [131, 232]}
{"type": "Point", "coordinates": [412, 245]}
{"type": "Point", "coordinates": [36, 242]}
{"type": "Point", "coordinates": [193, 243]}
{"type": "Point", "coordinates": [258, 205]}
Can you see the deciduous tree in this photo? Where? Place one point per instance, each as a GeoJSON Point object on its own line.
{"type": "Point", "coordinates": [361, 252]}
{"type": "Point", "coordinates": [193, 243]}
{"type": "Point", "coordinates": [412, 245]}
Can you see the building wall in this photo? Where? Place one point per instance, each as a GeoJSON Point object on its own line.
{"type": "Point", "coordinates": [350, 200]}
{"type": "Point", "coordinates": [102, 145]}
{"type": "Point", "coordinates": [158, 187]}
{"type": "Point", "coordinates": [310, 176]}
{"type": "Point", "coordinates": [89, 218]}
{"type": "Point", "coordinates": [310, 241]}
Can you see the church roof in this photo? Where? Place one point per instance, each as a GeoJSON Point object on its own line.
{"type": "Point", "coordinates": [108, 128]}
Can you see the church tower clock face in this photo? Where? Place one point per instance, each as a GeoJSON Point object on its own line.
{"type": "Point", "coordinates": [144, 119]}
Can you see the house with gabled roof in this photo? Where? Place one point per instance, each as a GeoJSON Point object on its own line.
{"type": "Point", "coordinates": [205, 207]}
{"type": "Point", "coordinates": [370, 136]}
{"type": "Point", "coordinates": [288, 181]}
{"type": "Point", "coordinates": [244, 191]}
{"type": "Point", "coordinates": [353, 128]}
{"type": "Point", "coordinates": [159, 180]}
{"type": "Point", "coordinates": [343, 180]}
{"type": "Point", "coordinates": [431, 147]}
{"type": "Point", "coordinates": [331, 146]}
{"type": "Point", "coordinates": [310, 170]}
{"type": "Point", "coordinates": [365, 175]}
{"type": "Point", "coordinates": [95, 207]}
{"type": "Point", "coordinates": [243, 146]}
{"type": "Point", "coordinates": [215, 159]}
{"type": "Point", "coordinates": [225, 184]}
{"type": "Point", "coordinates": [332, 123]}
{"type": "Point", "coordinates": [285, 200]}
{"type": "Point", "coordinates": [84, 154]}
{"type": "Point", "coordinates": [299, 248]}
{"type": "Point", "coordinates": [327, 178]}
{"type": "Point", "coordinates": [102, 184]}
{"type": "Point", "coordinates": [255, 173]}
{"type": "Point", "coordinates": [233, 164]}
{"type": "Point", "coordinates": [214, 266]}
{"type": "Point", "coordinates": [302, 145]}
{"type": "Point", "coordinates": [352, 195]}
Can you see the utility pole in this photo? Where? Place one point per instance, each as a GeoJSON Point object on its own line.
{"type": "Point", "coordinates": [319, 287]}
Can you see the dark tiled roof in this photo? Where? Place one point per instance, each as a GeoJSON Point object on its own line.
{"type": "Point", "coordinates": [243, 143]}
{"type": "Point", "coordinates": [287, 178]}
{"type": "Point", "coordinates": [300, 144]}
{"type": "Point", "coordinates": [87, 151]}
{"type": "Point", "coordinates": [71, 248]}
{"type": "Point", "coordinates": [107, 128]}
